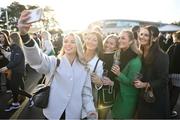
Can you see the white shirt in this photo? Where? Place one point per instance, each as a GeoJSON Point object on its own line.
{"type": "Point", "coordinates": [99, 68]}
{"type": "Point", "coordinates": [99, 72]}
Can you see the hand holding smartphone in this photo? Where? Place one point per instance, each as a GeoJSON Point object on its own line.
{"type": "Point", "coordinates": [35, 15]}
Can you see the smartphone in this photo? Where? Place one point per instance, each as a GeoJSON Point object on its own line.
{"type": "Point", "coordinates": [35, 15]}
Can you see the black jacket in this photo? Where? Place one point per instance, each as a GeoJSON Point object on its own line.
{"type": "Point", "coordinates": [156, 74]}
{"type": "Point", "coordinates": [17, 59]}
{"type": "Point", "coordinates": [174, 58]}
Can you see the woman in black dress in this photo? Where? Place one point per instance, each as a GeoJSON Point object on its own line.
{"type": "Point", "coordinates": [155, 75]}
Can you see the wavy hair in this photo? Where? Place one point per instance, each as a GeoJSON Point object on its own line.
{"type": "Point", "coordinates": [153, 43]}
{"type": "Point", "coordinates": [112, 36]}
{"type": "Point", "coordinates": [134, 47]}
{"type": "Point", "coordinates": [99, 49]}
{"type": "Point", "coordinates": [80, 52]}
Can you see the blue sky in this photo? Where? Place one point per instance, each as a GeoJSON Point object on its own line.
{"type": "Point", "coordinates": [77, 14]}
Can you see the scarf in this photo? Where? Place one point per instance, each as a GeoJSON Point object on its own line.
{"type": "Point", "coordinates": [126, 56]}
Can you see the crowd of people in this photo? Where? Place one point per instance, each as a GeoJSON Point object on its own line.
{"type": "Point", "coordinates": [99, 77]}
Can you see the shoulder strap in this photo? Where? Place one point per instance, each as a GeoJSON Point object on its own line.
{"type": "Point", "coordinates": [96, 65]}
{"type": "Point", "coordinates": [51, 78]}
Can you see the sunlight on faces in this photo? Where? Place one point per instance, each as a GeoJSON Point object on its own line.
{"type": "Point", "coordinates": [91, 42]}
{"type": "Point", "coordinates": [124, 41]}
{"type": "Point", "coordinates": [69, 45]}
{"type": "Point", "coordinates": [110, 45]}
{"type": "Point", "coordinates": [144, 37]}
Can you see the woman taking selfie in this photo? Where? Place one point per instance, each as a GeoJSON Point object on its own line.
{"type": "Point", "coordinates": [71, 91]}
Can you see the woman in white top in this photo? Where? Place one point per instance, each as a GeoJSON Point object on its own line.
{"type": "Point", "coordinates": [93, 50]}
{"type": "Point", "coordinates": [47, 46]}
{"type": "Point", "coordinates": [71, 92]}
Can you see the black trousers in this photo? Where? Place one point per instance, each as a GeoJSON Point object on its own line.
{"type": "Point", "coordinates": [0, 80]}
{"type": "Point", "coordinates": [16, 84]}
{"type": "Point", "coordinates": [174, 94]}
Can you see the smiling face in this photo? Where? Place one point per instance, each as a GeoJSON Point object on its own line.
{"type": "Point", "coordinates": [69, 45]}
{"type": "Point", "coordinates": [110, 45]}
{"type": "Point", "coordinates": [144, 37]}
{"type": "Point", "coordinates": [91, 42]}
{"type": "Point", "coordinates": [124, 41]}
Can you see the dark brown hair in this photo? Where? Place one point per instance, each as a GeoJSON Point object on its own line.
{"type": "Point", "coordinates": [154, 45]}
{"type": "Point", "coordinates": [6, 40]}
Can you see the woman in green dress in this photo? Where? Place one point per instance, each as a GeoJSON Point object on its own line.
{"type": "Point", "coordinates": [130, 65]}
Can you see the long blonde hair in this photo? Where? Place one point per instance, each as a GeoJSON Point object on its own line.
{"type": "Point", "coordinates": [80, 51]}
{"type": "Point", "coordinates": [134, 47]}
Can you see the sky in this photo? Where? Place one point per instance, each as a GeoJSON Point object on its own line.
{"type": "Point", "coordinates": [77, 14]}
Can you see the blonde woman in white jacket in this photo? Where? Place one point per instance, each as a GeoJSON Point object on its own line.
{"type": "Point", "coordinates": [47, 46]}
{"type": "Point", "coordinates": [71, 92]}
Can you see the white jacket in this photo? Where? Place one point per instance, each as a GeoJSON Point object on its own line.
{"type": "Point", "coordinates": [71, 87]}
{"type": "Point", "coordinates": [47, 46]}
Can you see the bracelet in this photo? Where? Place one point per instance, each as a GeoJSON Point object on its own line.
{"type": "Point", "coordinates": [27, 42]}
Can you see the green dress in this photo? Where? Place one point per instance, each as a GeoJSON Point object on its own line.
{"type": "Point", "coordinates": [125, 105]}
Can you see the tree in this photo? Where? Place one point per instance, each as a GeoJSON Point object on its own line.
{"type": "Point", "coordinates": [14, 12]}
{"type": "Point", "coordinates": [3, 23]}
{"type": "Point", "coordinates": [49, 21]}
{"type": "Point", "coordinates": [15, 9]}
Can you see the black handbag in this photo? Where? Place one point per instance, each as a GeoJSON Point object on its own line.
{"type": "Point", "coordinates": [149, 95]}
{"type": "Point", "coordinates": [41, 94]}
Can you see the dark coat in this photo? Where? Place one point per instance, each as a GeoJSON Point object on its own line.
{"type": "Point", "coordinates": [3, 61]}
{"type": "Point", "coordinates": [156, 73]}
{"type": "Point", "coordinates": [174, 58]}
{"type": "Point", "coordinates": [17, 59]}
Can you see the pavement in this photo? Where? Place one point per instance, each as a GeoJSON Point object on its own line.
{"type": "Point", "coordinates": [31, 81]}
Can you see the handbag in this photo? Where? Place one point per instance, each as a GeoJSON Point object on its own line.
{"type": "Point", "coordinates": [41, 91]}
{"type": "Point", "coordinates": [106, 97]}
{"type": "Point", "coordinates": [149, 95]}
